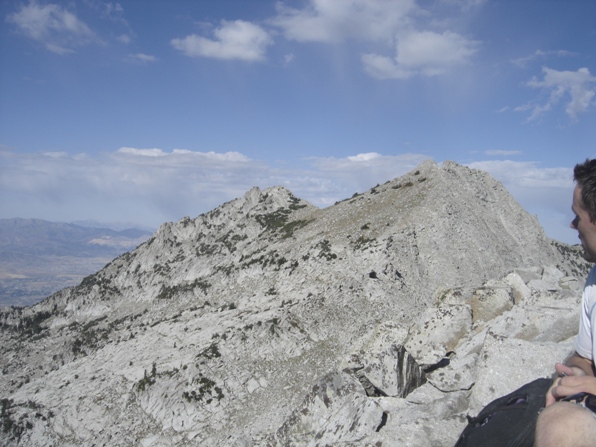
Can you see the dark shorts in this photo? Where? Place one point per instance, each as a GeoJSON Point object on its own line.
{"type": "Point", "coordinates": [585, 400]}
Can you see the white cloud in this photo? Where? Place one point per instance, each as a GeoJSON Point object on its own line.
{"type": "Point", "coordinates": [153, 185]}
{"type": "Point", "coordinates": [227, 156]}
{"type": "Point", "coordinates": [333, 21]}
{"type": "Point", "coordinates": [360, 172]}
{"type": "Point", "coordinates": [233, 40]}
{"type": "Point", "coordinates": [146, 185]}
{"type": "Point", "coordinates": [465, 4]}
{"type": "Point", "coordinates": [55, 154]}
{"type": "Point", "coordinates": [427, 53]}
{"type": "Point", "coordinates": [58, 29]}
{"type": "Point", "coordinates": [526, 174]}
{"type": "Point", "coordinates": [141, 58]}
{"type": "Point", "coordinates": [433, 52]}
{"type": "Point", "coordinates": [502, 153]}
{"type": "Point", "coordinates": [390, 23]}
{"type": "Point", "coordinates": [383, 67]}
{"type": "Point", "coordinates": [576, 88]}
{"type": "Point", "coordinates": [142, 152]}
{"type": "Point", "coordinates": [369, 156]}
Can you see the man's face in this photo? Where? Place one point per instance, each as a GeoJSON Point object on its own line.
{"type": "Point", "coordinates": [586, 229]}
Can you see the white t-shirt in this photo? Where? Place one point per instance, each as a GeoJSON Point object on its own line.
{"type": "Point", "coordinates": [585, 342]}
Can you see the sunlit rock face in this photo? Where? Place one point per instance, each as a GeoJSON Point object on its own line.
{"type": "Point", "coordinates": [381, 320]}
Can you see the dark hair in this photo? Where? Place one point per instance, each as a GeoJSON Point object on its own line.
{"type": "Point", "coordinates": [585, 176]}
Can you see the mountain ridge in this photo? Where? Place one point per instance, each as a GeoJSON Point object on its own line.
{"type": "Point", "coordinates": [213, 330]}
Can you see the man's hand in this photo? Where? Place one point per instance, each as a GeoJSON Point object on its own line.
{"type": "Point", "coordinates": [572, 380]}
{"type": "Point", "coordinates": [565, 370]}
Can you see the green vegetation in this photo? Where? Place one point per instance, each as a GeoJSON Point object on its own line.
{"type": "Point", "coordinates": [151, 378]}
{"type": "Point", "coordinates": [168, 292]}
{"type": "Point", "coordinates": [102, 282]}
{"type": "Point", "coordinates": [206, 249]}
{"type": "Point", "coordinates": [325, 252]}
{"type": "Point", "coordinates": [89, 339]}
{"type": "Point", "coordinates": [14, 429]}
{"type": "Point", "coordinates": [230, 240]}
{"type": "Point", "coordinates": [273, 325]}
{"type": "Point", "coordinates": [25, 326]}
{"type": "Point", "coordinates": [93, 335]}
{"type": "Point", "coordinates": [225, 269]}
{"type": "Point", "coordinates": [162, 269]}
{"type": "Point", "coordinates": [207, 390]}
{"type": "Point", "coordinates": [230, 306]}
{"type": "Point", "coordinates": [362, 242]}
{"type": "Point", "coordinates": [147, 380]}
{"type": "Point", "coordinates": [270, 258]}
{"type": "Point", "coordinates": [277, 221]}
{"type": "Point", "coordinates": [211, 352]}
{"type": "Point", "coordinates": [573, 255]}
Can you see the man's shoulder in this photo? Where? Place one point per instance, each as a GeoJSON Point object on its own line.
{"type": "Point", "coordinates": [590, 285]}
{"type": "Point", "coordinates": [591, 279]}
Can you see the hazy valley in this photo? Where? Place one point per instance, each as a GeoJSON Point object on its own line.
{"type": "Point", "coordinates": [38, 258]}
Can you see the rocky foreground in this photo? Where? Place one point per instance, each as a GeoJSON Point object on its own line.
{"type": "Point", "coordinates": [382, 320]}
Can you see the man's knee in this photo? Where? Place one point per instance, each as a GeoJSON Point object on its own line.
{"type": "Point", "coordinates": [565, 424]}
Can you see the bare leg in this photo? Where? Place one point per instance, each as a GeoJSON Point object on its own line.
{"type": "Point", "coordinates": [566, 424]}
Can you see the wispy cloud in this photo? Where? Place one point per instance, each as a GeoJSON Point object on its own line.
{"type": "Point", "coordinates": [124, 38]}
{"type": "Point", "coordinates": [502, 153]}
{"type": "Point", "coordinates": [540, 54]}
{"type": "Point", "coordinates": [527, 174]}
{"type": "Point", "coordinates": [141, 58]}
{"type": "Point", "coordinates": [427, 53]}
{"type": "Point", "coordinates": [465, 4]}
{"type": "Point", "coordinates": [358, 173]}
{"type": "Point", "coordinates": [575, 88]}
{"type": "Point", "coordinates": [58, 29]}
{"type": "Point", "coordinates": [232, 40]}
{"type": "Point", "coordinates": [331, 22]}
{"type": "Point", "coordinates": [388, 24]}
{"type": "Point", "coordinates": [157, 185]}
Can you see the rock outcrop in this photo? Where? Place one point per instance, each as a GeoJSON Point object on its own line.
{"type": "Point", "coordinates": [381, 320]}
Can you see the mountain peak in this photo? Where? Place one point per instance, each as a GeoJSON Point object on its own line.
{"type": "Point", "coordinates": [215, 330]}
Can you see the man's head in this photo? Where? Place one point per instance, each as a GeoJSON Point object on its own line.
{"type": "Point", "coordinates": [584, 207]}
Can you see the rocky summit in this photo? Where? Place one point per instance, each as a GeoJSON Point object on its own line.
{"type": "Point", "coordinates": [380, 321]}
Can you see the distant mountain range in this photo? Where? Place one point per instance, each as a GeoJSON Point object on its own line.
{"type": "Point", "coordinates": [38, 258]}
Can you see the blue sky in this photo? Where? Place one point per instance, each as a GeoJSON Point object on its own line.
{"type": "Point", "coordinates": [148, 111]}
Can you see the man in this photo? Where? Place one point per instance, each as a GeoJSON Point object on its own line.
{"type": "Point", "coordinates": [570, 423]}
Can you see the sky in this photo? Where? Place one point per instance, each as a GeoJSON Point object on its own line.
{"type": "Point", "coordinates": [148, 111]}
